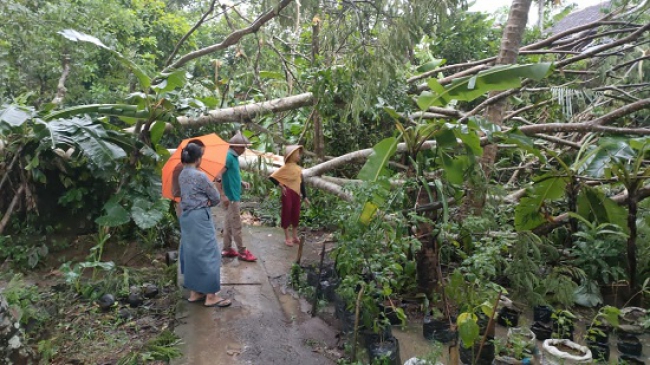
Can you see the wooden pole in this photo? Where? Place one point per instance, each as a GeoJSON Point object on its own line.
{"type": "Point", "coordinates": [489, 325]}
{"type": "Point", "coordinates": [314, 306]}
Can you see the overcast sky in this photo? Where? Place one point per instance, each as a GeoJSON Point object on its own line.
{"type": "Point", "coordinates": [491, 6]}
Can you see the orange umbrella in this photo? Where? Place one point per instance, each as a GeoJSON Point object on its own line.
{"type": "Point", "coordinates": [214, 160]}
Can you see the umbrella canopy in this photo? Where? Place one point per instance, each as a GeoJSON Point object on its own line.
{"type": "Point", "coordinates": [214, 160]}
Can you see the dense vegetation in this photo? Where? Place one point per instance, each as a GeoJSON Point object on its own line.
{"type": "Point", "coordinates": [452, 168]}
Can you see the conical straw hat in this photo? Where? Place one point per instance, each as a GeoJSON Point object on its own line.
{"type": "Point", "coordinates": [290, 149]}
{"type": "Point", "coordinates": [238, 140]}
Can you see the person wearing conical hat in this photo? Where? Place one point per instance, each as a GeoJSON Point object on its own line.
{"type": "Point", "coordinates": [230, 185]}
{"type": "Point", "coordinates": [289, 178]}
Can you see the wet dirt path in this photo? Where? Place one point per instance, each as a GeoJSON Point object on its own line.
{"type": "Point", "coordinates": [263, 326]}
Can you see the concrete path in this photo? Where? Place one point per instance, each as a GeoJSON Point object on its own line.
{"type": "Point", "coordinates": [264, 325]}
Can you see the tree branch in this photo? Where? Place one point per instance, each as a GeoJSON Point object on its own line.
{"type": "Point", "coordinates": [232, 38]}
{"type": "Point", "coordinates": [187, 35]}
{"type": "Point", "coordinates": [240, 112]}
{"type": "Point", "coordinates": [60, 88]}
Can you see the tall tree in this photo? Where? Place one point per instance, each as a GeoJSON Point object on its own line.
{"type": "Point", "coordinates": [508, 52]}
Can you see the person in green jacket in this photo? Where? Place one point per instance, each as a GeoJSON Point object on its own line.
{"type": "Point", "coordinates": [230, 186]}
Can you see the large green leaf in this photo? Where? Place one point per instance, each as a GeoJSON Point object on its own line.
{"type": "Point", "coordinates": [376, 163]}
{"type": "Point", "coordinates": [468, 88]}
{"type": "Point", "coordinates": [431, 65]}
{"type": "Point", "coordinates": [115, 215]}
{"type": "Point", "coordinates": [468, 329]}
{"type": "Point", "coordinates": [73, 35]}
{"type": "Point", "coordinates": [146, 215]}
{"type": "Point", "coordinates": [524, 142]}
{"type": "Point", "coordinates": [169, 81]}
{"type": "Point", "coordinates": [593, 205]}
{"type": "Point", "coordinates": [89, 138]}
{"type": "Point", "coordinates": [528, 214]}
{"type": "Point", "coordinates": [599, 161]}
{"type": "Point", "coordinates": [116, 110]}
{"type": "Point", "coordinates": [14, 115]}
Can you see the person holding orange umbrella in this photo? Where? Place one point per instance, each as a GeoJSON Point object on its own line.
{"type": "Point", "coordinates": [230, 185]}
{"type": "Point", "coordinates": [212, 162]}
{"type": "Point", "coordinates": [199, 238]}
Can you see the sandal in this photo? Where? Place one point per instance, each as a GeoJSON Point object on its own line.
{"type": "Point", "coordinates": [221, 303]}
{"type": "Point", "coordinates": [296, 241]}
{"type": "Point", "coordinates": [289, 243]}
{"type": "Point", "coordinates": [199, 299]}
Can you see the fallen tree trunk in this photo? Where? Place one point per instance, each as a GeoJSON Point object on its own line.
{"type": "Point", "coordinates": [248, 111]}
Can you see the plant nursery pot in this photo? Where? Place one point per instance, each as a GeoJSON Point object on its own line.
{"type": "Point", "coordinates": [106, 302]}
{"type": "Point", "coordinates": [369, 337]}
{"type": "Point", "coordinates": [565, 352]}
{"type": "Point", "coordinates": [523, 334]}
{"type": "Point", "coordinates": [467, 355]}
{"type": "Point", "coordinates": [541, 331]}
{"type": "Point", "coordinates": [507, 360]}
{"type": "Point", "coordinates": [346, 317]}
{"type": "Point", "coordinates": [438, 330]}
{"type": "Point", "coordinates": [150, 291]}
{"type": "Point", "coordinates": [390, 313]}
{"type": "Point", "coordinates": [171, 257]}
{"type": "Point", "coordinates": [386, 351]}
{"type": "Point", "coordinates": [598, 337]}
{"type": "Point", "coordinates": [629, 345]}
{"type": "Point", "coordinates": [542, 313]}
{"type": "Point", "coordinates": [508, 317]}
{"type": "Point", "coordinates": [599, 351]}
{"type": "Point", "coordinates": [630, 360]}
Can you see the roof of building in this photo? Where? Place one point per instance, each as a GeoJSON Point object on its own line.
{"type": "Point", "coordinates": [581, 17]}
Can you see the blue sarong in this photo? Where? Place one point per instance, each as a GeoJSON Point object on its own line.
{"type": "Point", "coordinates": [201, 257]}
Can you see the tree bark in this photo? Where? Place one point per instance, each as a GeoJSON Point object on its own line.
{"type": "Point", "coordinates": [319, 136]}
{"type": "Point", "coordinates": [510, 42]}
{"type": "Point", "coordinates": [632, 206]}
{"type": "Point", "coordinates": [248, 111]}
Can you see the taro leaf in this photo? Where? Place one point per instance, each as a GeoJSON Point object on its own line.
{"type": "Point", "coordinates": [146, 214]}
{"type": "Point", "coordinates": [588, 294]}
{"type": "Point", "coordinates": [468, 88]}
{"type": "Point", "coordinates": [374, 166]}
{"type": "Point", "coordinates": [468, 329]}
{"type": "Point", "coordinates": [115, 215]}
{"type": "Point", "coordinates": [443, 200]}
{"type": "Point", "coordinates": [595, 206]}
{"type": "Point", "coordinates": [76, 36]}
{"type": "Point", "coordinates": [14, 115]}
{"type": "Point", "coordinates": [104, 265]}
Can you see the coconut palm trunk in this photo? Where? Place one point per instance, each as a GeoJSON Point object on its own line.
{"type": "Point", "coordinates": [508, 52]}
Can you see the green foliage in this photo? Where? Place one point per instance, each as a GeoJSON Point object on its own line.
{"type": "Point", "coordinates": [25, 298]}
{"type": "Point", "coordinates": [529, 213]}
{"type": "Point", "coordinates": [598, 250]}
{"type": "Point", "coordinates": [471, 87]}
{"type": "Point", "coordinates": [24, 251]}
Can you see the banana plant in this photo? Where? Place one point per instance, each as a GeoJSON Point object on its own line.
{"type": "Point", "coordinates": [148, 110]}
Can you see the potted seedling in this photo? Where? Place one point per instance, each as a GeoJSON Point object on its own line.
{"type": "Point", "coordinates": [514, 351]}
{"type": "Point", "coordinates": [563, 324]}
{"type": "Point", "coordinates": [477, 301]}
{"type": "Point", "coordinates": [597, 333]}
